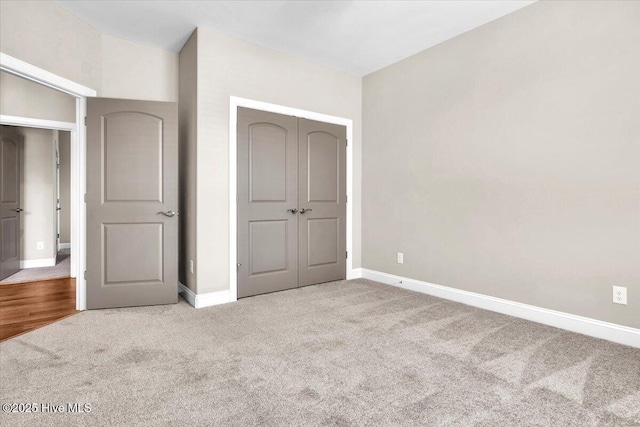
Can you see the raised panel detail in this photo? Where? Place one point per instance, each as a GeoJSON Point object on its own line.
{"type": "Point", "coordinates": [268, 246]}
{"type": "Point", "coordinates": [323, 168]}
{"type": "Point", "coordinates": [267, 163]}
{"type": "Point", "coordinates": [132, 146]}
{"type": "Point", "coordinates": [9, 238]}
{"type": "Point", "coordinates": [133, 253]}
{"type": "Point", "coordinates": [322, 241]}
{"type": "Point", "coordinates": [9, 176]}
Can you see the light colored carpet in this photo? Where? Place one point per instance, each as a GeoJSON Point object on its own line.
{"type": "Point", "coordinates": [60, 270]}
{"type": "Point", "coordinates": [344, 353]}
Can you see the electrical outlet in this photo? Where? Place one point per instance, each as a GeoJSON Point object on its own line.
{"type": "Point", "coordinates": [191, 266]}
{"type": "Point", "coordinates": [400, 258]}
{"type": "Point", "coordinates": [619, 295]}
{"type": "Point", "coordinates": [40, 246]}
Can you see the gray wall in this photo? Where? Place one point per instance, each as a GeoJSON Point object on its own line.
{"type": "Point", "coordinates": [228, 66]}
{"type": "Point", "coordinates": [188, 133]}
{"type": "Point", "coordinates": [64, 150]}
{"type": "Point", "coordinates": [38, 194]}
{"type": "Point", "coordinates": [505, 161]}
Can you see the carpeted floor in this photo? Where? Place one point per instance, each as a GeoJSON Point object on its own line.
{"type": "Point", "coordinates": [344, 353]}
{"type": "Point", "coordinates": [60, 270]}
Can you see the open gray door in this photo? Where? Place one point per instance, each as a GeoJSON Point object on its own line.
{"type": "Point", "coordinates": [9, 202]}
{"type": "Point", "coordinates": [132, 202]}
{"type": "Point", "coordinates": [322, 202]}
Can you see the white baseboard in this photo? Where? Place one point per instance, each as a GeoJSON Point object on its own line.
{"type": "Point", "coordinates": [570, 322]}
{"type": "Point", "coordinates": [354, 273]}
{"type": "Point", "coordinates": [37, 263]}
{"type": "Point", "coordinates": [64, 246]}
{"type": "Point", "coordinates": [203, 300]}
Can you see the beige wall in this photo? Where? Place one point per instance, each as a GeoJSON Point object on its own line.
{"type": "Point", "coordinates": [64, 150]}
{"type": "Point", "coordinates": [38, 194]}
{"type": "Point", "coordinates": [24, 98]}
{"type": "Point", "coordinates": [227, 66]}
{"type": "Point", "coordinates": [48, 36]}
{"type": "Point", "coordinates": [188, 133]}
{"type": "Point", "coordinates": [505, 161]}
{"type": "Point", "coordinates": [137, 71]}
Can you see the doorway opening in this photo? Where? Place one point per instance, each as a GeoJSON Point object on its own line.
{"type": "Point", "coordinates": [36, 287]}
{"type": "Point", "coordinates": [77, 167]}
{"type": "Point", "coordinates": [36, 238]}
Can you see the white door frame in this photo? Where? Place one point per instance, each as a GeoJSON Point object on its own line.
{"type": "Point", "coordinates": [57, 203]}
{"type": "Point", "coordinates": [38, 75]}
{"type": "Point", "coordinates": [236, 102]}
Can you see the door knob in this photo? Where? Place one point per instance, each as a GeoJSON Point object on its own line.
{"type": "Point", "coordinates": [17, 210]}
{"type": "Point", "coordinates": [303, 211]}
{"type": "Point", "coordinates": [293, 211]}
{"type": "Point", "coordinates": [169, 213]}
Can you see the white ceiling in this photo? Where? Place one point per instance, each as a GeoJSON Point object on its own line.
{"type": "Point", "coordinates": [355, 36]}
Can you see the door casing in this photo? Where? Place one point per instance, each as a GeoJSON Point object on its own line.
{"type": "Point", "coordinates": [234, 103]}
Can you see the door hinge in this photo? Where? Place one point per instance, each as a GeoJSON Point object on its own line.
{"type": "Point", "coordinates": [346, 199]}
{"type": "Point", "coordinates": [58, 235]}
{"type": "Point", "coordinates": [347, 254]}
{"type": "Point", "coordinates": [347, 142]}
{"type": "Point", "coordinates": [85, 120]}
{"type": "Point", "coordinates": [85, 197]}
{"type": "Point", "coordinates": [85, 275]}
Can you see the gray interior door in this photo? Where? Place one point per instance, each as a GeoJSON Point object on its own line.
{"type": "Point", "coordinates": [132, 202]}
{"type": "Point", "coordinates": [267, 202]}
{"type": "Point", "coordinates": [9, 202]}
{"type": "Point", "coordinates": [291, 202]}
{"type": "Point", "coordinates": [322, 202]}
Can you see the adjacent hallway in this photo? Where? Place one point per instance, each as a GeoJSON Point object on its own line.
{"type": "Point", "coordinates": [61, 270]}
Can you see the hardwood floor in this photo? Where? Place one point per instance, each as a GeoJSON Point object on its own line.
{"type": "Point", "coordinates": [32, 305]}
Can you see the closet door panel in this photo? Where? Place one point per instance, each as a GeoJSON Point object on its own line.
{"type": "Point", "coordinates": [267, 194]}
{"type": "Point", "coordinates": [322, 202]}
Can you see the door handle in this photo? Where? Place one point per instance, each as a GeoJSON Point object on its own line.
{"type": "Point", "coordinates": [303, 211]}
{"type": "Point", "coordinates": [293, 211]}
{"type": "Point", "coordinates": [169, 213]}
{"type": "Point", "coordinates": [18, 210]}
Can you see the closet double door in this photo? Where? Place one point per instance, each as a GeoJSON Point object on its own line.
{"type": "Point", "coordinates": [291, 202]}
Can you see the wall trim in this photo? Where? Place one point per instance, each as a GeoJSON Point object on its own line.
{"type": "Point", "coordinates": [234, 103]}
{"type": "Point", "coordinates": [37, 123]}
{"type": "Point", "coordinates": [37, 263]}
{"type": "Point", "coordinates": [570, 322]}
{"type": "Point", "coordinates": [31, 72]}
{"type": "Point", "coordinates": [203, 300]}
{"type": "Point", "coordinates": [64, 246]}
